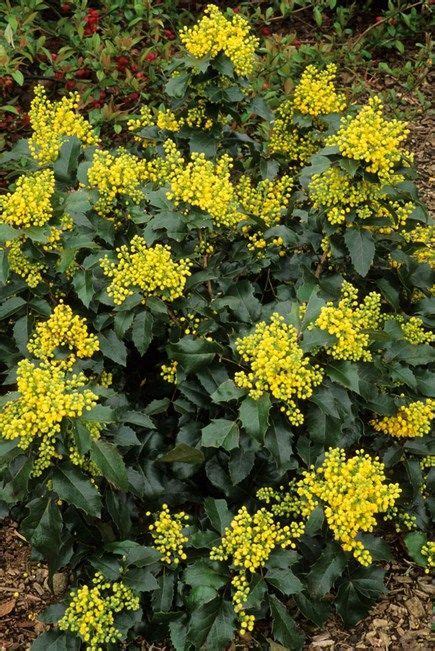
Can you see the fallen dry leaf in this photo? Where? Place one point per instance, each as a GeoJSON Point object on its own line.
{"type": "Point", "coordinates": [7, 607]}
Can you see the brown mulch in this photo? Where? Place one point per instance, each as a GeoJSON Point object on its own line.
{"type": "Point", "coordinates": [401, 620]}
{"type": "Point", "coordinates": [24, 590]}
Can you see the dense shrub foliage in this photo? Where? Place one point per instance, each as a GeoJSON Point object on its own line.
{"type": "Point", "coordinates": [217, 344]}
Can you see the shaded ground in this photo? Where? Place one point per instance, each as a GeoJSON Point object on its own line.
{"type": "Point", "coordinates": [24, 591]}
{"type": "Point", "coordinates": [401, 620]}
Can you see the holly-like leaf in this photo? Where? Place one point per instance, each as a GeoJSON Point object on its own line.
{"type": "Point", "coordinates": [109, 461]}
{"type": "Point", "coordinates": [218, 513]}
{"type": "Point", "coordinates": [361, 249]}
{"type": "Point", "coordinates": [220, 433]}
{"type": "Point", "coordinates": [183, 453]}
{"type": "Point", "coordinates": [74, 487]}
{"type": "Point", "coordinates": [113, 348]}
{"type": "Point", "coordinates": [357, 593]}
{"type": "Point", "coordinates": [142, 331]}
{"type": "Point", "coordinates": [414, 541]}
{"type": "Point", "coordinates": [192, 353]}
{"type": "Point", "coordinates": [283, 625]}
{"type": "Point", "coordinates": [254, 416]}
{"type": "Point", "coordinates": [212, 625]}
{"type": "Point", "coordinates": [56, 641]}
{"type": "Point", "coordinates": [326, 570]}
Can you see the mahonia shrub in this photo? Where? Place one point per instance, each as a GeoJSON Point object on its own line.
{"type": "Point", "coordinates": [216, 356]}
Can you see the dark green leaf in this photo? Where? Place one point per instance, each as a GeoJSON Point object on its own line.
{"type": "Point", "coordinates": [74, 487]}
{"type": "Point", "coordinates": [192, 353]}
{"type": "Point", "coordinates": [142, 332]}
{"type": "Point", "coordinates": [109, 461]}
{"type": "Point", "coordinates": [220, 433]}
{"type": "Point", "coordinates": [314, 609]}
{"type": "Point", "coordinates": [113, 348]}
{"type": "Point", "coordinates": [326, 570]}
{"type": "Point", "coordinates": [284, 580]}
{"type": "Point", "coordinates": [56, 641]}
{"type": "Point", "coordinates": [361, 249]}
{"type": "Point", "coordinates": [218, 513]}
{"type": "Point", "coordinates": [183, 453]}
{"type": "Point", "coordinates": [212, 625]}
{"type": "Point", "coordinates": [283, 626]}
{"type": "Point", "coordinates": [254, 416]}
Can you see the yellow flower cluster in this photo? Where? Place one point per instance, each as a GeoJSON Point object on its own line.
{"type": "Point", "coordinates": [413, 330]}
{"type": "Point", "coordinates": [428, 462]}
{"type": "Point", "coordinates": [282, 503]}
{"type": "Point", "coordinates": [413, 420]}
{"type": "Point", "coordinates": [250, 539]}
{"type": "Point", "coordinates": [316, 95]}
{"type": "Point", "coordinates": [248, 543]}
{"type": "Point", "coordinates": [52, 122]}
{"type": "Point", "coordinates": [428, 551]}
{"type": "Point", "coordinates": [424, 237]}
{"type": "Point", "coordinates": [267, 200]}
{"type": "Point", "coordinates": [352, 491]}
{"type": "Point", "coordinates": [66, 223]}
{"type": "Point", "coordinates": [30, 270]}
{"type": "Point", "coordinates": [277, 365]}
{"type": "Point", "coordinates": [205, 184]}
{"type": "Point", "coordinates": [190, 323]}
{"type": "Point", "coordinates": [372, 139]}
{"type": "Point", "coordinates": [258, 244]}
{"type": "Point", "coordinates": [106, 379]}
{"type": "Point", "coordinates": [118, 176]}
{"type": "Point", "coordinates": [350, 322]}
{"type": "Point", "coordinates": [150, 270]}
{"type": "Point", "coordinates": [167, 120]}
{"type": "Point", "coordinates": [285, 138]}
{"type": "Point", "coordinates": [47, 395]}
{"type": "Point", "coordinates": [339, 195]}
{"type": "Point", "coordinates": [30, 203]}
{"type": "Point", "coordinates": [91, 612]}
{"type": "Point", "coordinates": [63, 329]}
{"type": "Point", "coordinates": [169, 372]}
{"type": "Point", "coordinates": [167, 535]}
{"type": "Point", "coordinates": [215, 33]}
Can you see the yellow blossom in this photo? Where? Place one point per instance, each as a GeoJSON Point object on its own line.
{"type": "Point", "coordinates": [352, 492]}
{"type": "Point", "coordinates": [46, 396]}
{"type": "Point", "coordinates": [52, 122]}
{"type": "Point", "coordinates": [120, 175]}
{"type": "Point", "coordinates": [63, 329]}
{"type": "Point", "coordinates": [30, 203]}
{"type": "Point", "coordinates": [248, 543]}
{"type": "Point", "coordinates": [215, 33]}
{"type": "Point", "coordinates": [167, 534]}
{"type": "Point", "coordinates": [315, 94]}
{"type": "Point", "coordinates": [267, 200]}
{"type": "Point", "coordinates": [91, 612]}
{"type": "Point", "coordinates": [277, 365]}
{"type": "Point", "coordinates": [351, 323]}
{"type": "Point", "coordinates": [342, 197]}
{"type": "Point", "coordinates": [30, 270]}
{"type": "Point", "coordinates": [412, 420]}
{"type": "Point", "coordinates": [148, 269]}
{"type": "Point", "coordinates": [372, 139]}
{"type": "Point", "coordinates": [428, 551]}
{"type": "Point", "coordinates": [285, 138]}
{"type": "Point", "coordinates": [169, 372]}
